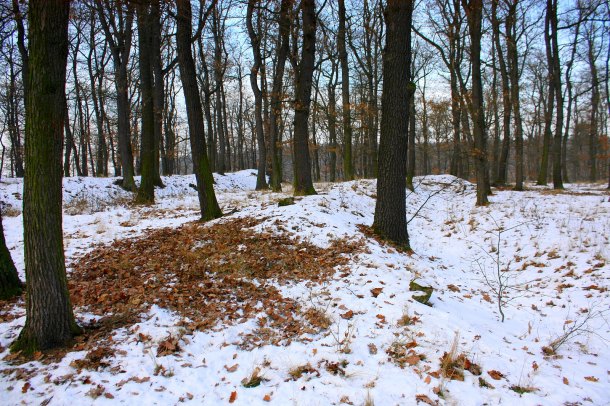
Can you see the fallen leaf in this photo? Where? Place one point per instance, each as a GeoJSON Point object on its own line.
{"type": "Point", "coordinates": [233, 397]}
{"type": "Point", "coordinates": [26, 386]}
{"type": "Point", "coordinates": [412, 359]}
{"type": "Point", "coordinates": [425, 399]}
{"type": "Point", "coordinates": [565, 381]}
{"type": "Point", "coordinates": [427, 380]}
{"type": "Point", "coordinates": [497, 375]}
{"type": "Point", "coordinates": [347, 315]}
{"type": "Point", "coordinates": [591, 378]}
{"type": "Point", "coordinates": [232, 369]}
{"type": "Point", "coordinates": [267, 397]}
{"type": "Point", "coordinates": [376, 291]}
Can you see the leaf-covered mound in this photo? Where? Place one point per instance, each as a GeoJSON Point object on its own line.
{"type": "Point", "coordinates": [209, 274]}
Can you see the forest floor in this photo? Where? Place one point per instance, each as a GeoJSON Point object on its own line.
{"type": "Point", "coordinates": [300, 304]}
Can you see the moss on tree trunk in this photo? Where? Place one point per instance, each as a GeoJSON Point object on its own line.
{"type": "Point", "coordinates": [49, 319]}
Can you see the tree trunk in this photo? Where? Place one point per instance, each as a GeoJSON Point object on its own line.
{"type": "Point", "coordinates": [474, 14]}
{"type": "Point", "coordinates": [261, 179]}
{"type": "Point", "coordinates": [158, 87]}
{"type": "Point", "coordinates": [348, 163]}
{"type": "Point", "coordinates": [276, 94]}
{"type": "Point", "coordinates": [146, 192]}
{"type": "Point", "coordinates": [390, 210]}
{"type": "Point", "coordinates": [513, 69]}
{"type": "Point", "coordinates": [10, 285]}
{"type": "Point", "coordinates": [205, 181]}
{"type": "Point", "coordinates": [303, 184]}
{"type": "Point", "coordinates": [49, 318]}
{"type": "Point", "coordinates": [120, 46]}
{"type": "Point", "coordinates": [556, 67]}
{"type": "Point", "coordinates": [595, 99]}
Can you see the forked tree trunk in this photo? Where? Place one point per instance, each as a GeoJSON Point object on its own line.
{"type": "Point", "coordinates": [49, 318]}
{"type": "Point", "coordinates": [474, 14]}
{"type": "Point", "coordinates": [303, 184]}
{"type": "Point", "coordinates": [276, 95]}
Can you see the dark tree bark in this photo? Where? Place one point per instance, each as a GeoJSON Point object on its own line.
{"type": "Point", "coordinates": [96, 67]}
{"type": "Point", "coordinates": [23, 52]}
{"type": "Point", "coordinates": [474, 15]}
{"type": "Point", "coordinates": [10, 285]}
{"type": "Point", "coordinates": [348, 162]}
{"type": "Point", "coordinates": [188, 75]}
{"type": "Point", "coordinates": [276, 94]}
{"type": "Point", "coordinates": [556, 78]}
{"type": "Point", "coordinates": [13, 122]}
{"type": "Point", "coordinates": [221, 135]}
{"type": "Point", "coordinates": [550, 101]}
{"type": "Point", "coordinates": [158, 87]}
{"type": "Point", "coordinates": [119, 35]}
{"type": "Point", "coordinates": [390, 211]}
{"type": "Point", "coordinates": [502, 170]}
{"type": "Point", "coordinates": [49, 318]}
{"type": "Point", "coordinates": [595, 100]}
{"type": "Point", "coordinates": [146, 192]}
{"type": "Point", "coordinates": [332, 120]}
{"type": "Point", "coordinates": [255, 40]}
{"type": "Point", "coordinates": [514, 75]}
{"type": "Point", "coordinates": [303, 184]}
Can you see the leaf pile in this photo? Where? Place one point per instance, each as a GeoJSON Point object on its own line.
{"type": "Point", "coordinates": [209, 274]}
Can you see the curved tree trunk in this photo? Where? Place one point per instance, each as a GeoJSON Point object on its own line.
{"type": "Point", "coordinates": [194, 112]}
{"type": "Point", "coordinates": [261, 179]}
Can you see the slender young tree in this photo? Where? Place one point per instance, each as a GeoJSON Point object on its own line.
{"type": "Point", "coordinates": [303, 184]}
{"type": "Point", "coordinates": [194, 111]}
{"type": "Point", "coordinates": [390, 210]}
{"type": "Point", "coordinates": [348, 161]}
{"type": "Point", "coordinates": [255, 41]}
{"type": "Point", "coordinates": [49, 318]}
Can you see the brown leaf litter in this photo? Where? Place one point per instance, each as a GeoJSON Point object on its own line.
{"type": "Point", "coordinates": [210, 275]}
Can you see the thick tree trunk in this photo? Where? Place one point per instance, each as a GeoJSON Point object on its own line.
{"type": "Point", "coordinates": [49, 318]}
{"type": "Point", "coordinates": [146, 192]}
{"type": "Point", "coordinates": [188, 75]}
{"type": "Point", "coordinates": [556, 78]}
{"type": "Point", "coordinates": [303, 184]}
{"type": "Point", "coordinates": [390, 210]}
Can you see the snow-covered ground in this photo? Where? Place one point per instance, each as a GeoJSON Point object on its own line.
{"type": "Point", "coordinates": [382, 346]}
